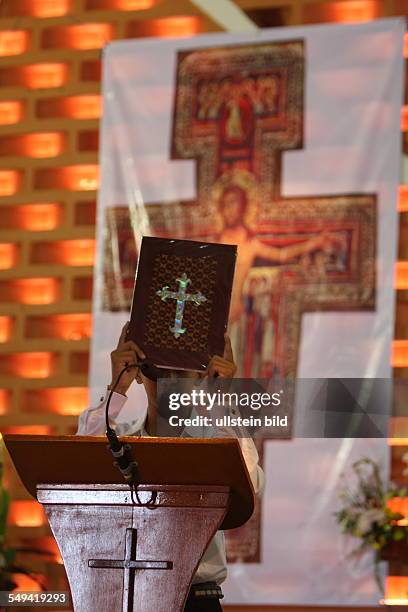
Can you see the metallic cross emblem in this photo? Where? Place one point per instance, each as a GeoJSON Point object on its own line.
{"type": "Point", "coordinates": [129, 565]}
{"type": "Point", "coordinates": [182, 297]}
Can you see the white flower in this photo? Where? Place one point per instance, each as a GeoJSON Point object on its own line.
{"type": "Point", "coordinates": [367, 520]}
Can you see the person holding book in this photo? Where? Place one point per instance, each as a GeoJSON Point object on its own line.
{"type": "Point", "coordinates": [205, 591]}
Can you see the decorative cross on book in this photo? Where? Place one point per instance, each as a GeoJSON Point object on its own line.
{"type": "Point", "coordinates": [182, 297]}
{"type": "Point", "coordinates": [129, 564]}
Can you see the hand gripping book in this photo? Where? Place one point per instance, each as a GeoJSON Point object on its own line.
{"type": "Point", "coordinates": [181, 301]}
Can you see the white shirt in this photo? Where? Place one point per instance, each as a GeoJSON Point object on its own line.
{"type": "Point", "coordinates": [213, 565]}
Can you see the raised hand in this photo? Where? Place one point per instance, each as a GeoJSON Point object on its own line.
{"type": "Point", "coordinates": [126, 353]}
{"type": "Point", "coordinates": [223, 366]}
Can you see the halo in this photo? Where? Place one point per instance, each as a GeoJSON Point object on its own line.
{"type": "Point", "coordinates": [244, 179]}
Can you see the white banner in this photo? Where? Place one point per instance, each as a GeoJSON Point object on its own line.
{"type": "Point", "coordinates": [305, 122]}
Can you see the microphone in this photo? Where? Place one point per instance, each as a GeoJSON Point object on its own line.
{"type": "Point", "coordinates": [124, 460]}
{"type": "Point", "coordinates": [121, 452]}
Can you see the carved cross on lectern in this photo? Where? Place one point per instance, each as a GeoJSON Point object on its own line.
{"type": "Point", "coordinates": [129, 564]}
{"type": "Point", "coordinates": [182, 297]}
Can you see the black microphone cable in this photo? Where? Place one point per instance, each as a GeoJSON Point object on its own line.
{"type": "Point", "coordinates": [122, 453]}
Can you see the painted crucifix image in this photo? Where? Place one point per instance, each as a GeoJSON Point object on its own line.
{"type": "Point", "coordinates": [237, 110]}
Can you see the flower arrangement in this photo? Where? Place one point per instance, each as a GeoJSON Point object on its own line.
{"type": "Point", "coordinates": [367, 512]}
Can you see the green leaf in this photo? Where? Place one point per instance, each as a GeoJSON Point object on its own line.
{"type": "Point", "coordinates": [398, 535]}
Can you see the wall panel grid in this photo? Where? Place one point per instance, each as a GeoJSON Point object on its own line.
{"type": "Point", "coordinates": [50, 106]}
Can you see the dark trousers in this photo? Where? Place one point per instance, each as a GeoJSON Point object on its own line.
{"type": "Point", "coordinates": [202, 604]}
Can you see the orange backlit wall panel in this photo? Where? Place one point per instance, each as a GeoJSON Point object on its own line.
{"type": "Point", "coordinates": [26, 513]}
{"type": "Point", "coordinates": [396, 591]}
{"type": "Point", "coordinates": [8, 255]}
{"type": "Point", "coordinates": [166, 27]}
{"type": "Point", "coordinates": [401, 275]}
{"type": "Point", "coordinates": [75, 326]}
{"type": "Point", "coordinates": [33, 583]}
{"type": "Point", "coordinates": [81, 177]}
{"type": "Point", "coordinates": [38, 8]}
{"type": "Point", "coordinates": [403, 198]}
{"type": "Point", "coordinates": [66, 252]}
{"type": "Point", "coordinates": [73, 107]}
{"type": "Point", "coordinates": [68, 401]}
{"type": "Point", "coordinates": [346, 11]}
{"type": "Point", "coordinates": [11, 111]}
{"type": "Point", "coordinates": [13, 42]}
{"type": "Point", "coordinates": [28, 430]}
{"type": "Point", "coordinates": [404, 119]}
{"type": "Point", "coordinates": [399, 353]}
{"type": "Point", "coordinates": [80, 36]}
{"type": "Point", "coordinates": [398, 429]}
{"type": "Point", "coordinates": [34, 291]}
{"type": "Point", "coordinates": [10, 181]}
{"type": "Point", "coordinates": [6, 326]}
{"type": "Point", "coordinates": [394, 441]}
{"type": "Point", "coordinates": [28, 365]}
{"type": "Point", "coordinates": [34, 217]}
{"type": "Point", "coordinates": [122, 5]}
{"type": "Point", "coordinates": [42, 144]}
{"type": "Point", "coordinates": [35, 76]}
{"type": "Point", "coordinates": [4, 401]}
{"type": "Point", "coordinates": [399, 504]}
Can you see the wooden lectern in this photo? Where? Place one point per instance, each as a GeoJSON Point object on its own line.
{"type": "Point", "coordinates": [124, 557]}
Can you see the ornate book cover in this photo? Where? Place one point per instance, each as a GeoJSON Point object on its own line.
{"type": "Point", "coordinates": [181, 301]}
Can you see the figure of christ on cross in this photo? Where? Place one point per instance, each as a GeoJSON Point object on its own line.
{"type": "Point", "coordinates": [233, 206]}
{"type": "Point", "coordinates": [233, 209]}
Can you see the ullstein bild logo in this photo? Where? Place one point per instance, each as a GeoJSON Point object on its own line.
{"type": "Point", "coordinates": [228, 421]}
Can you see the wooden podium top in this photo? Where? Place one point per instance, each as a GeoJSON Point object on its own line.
{"type": "Point", "coordinates": [171, 461]}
